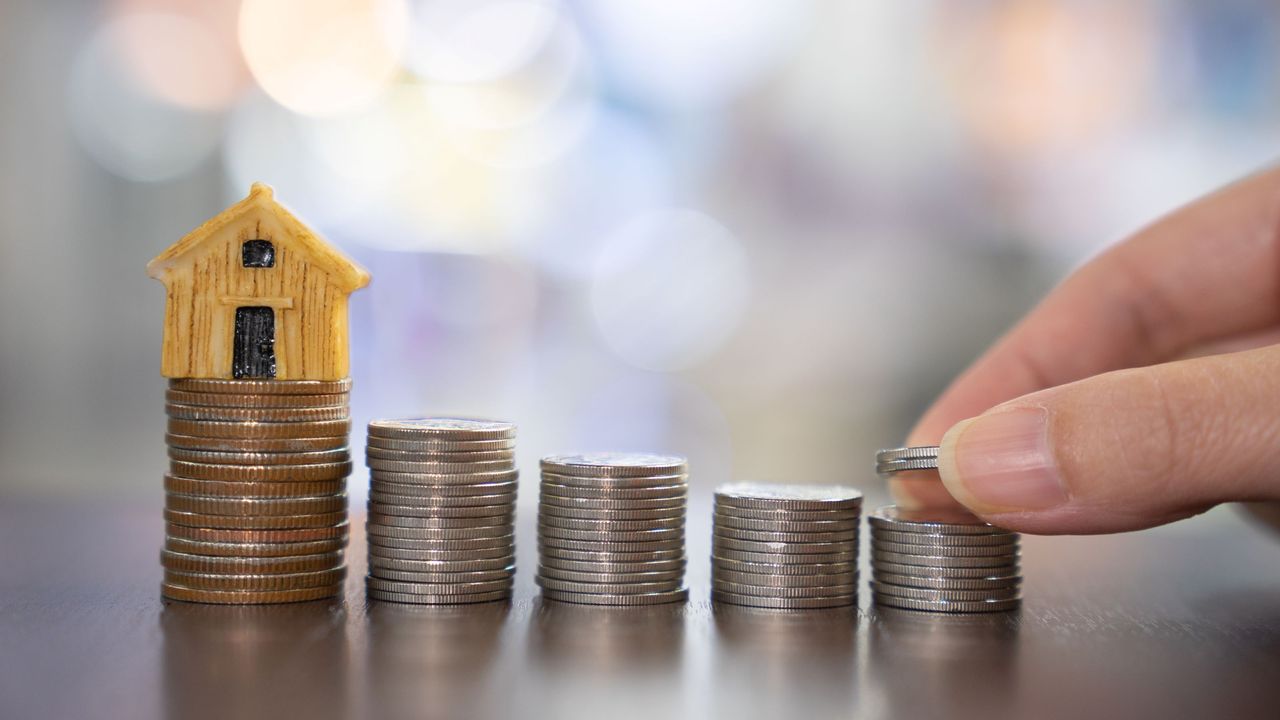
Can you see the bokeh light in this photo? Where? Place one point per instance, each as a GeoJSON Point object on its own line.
{"type": "Point", "coordinates": [670, 286]}
{"type": "Point", "coordinates": [468, 41]}
{"type": "Point", "coordinates": [319, 57]}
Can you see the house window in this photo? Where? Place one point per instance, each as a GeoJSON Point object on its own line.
{"type": "Point", "coordinates": [258, 254]}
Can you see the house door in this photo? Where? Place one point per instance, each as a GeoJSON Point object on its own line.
{"type": "Point", "coordinates": [254, 354]}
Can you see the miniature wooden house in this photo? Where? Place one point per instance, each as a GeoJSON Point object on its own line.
{"type": "Point", "coordinates": [254, 293]}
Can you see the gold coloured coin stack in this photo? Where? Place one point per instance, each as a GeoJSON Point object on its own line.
{"type": "Point", "coordinates": [939, 560]}
{"type": "Point", "coordinates": [255, 496]}
{"type": "Point", "coordinates": [442, 503]}
{"type": "Point", "coordinates": [611, 528]}
{"type": "Point", "coordinates": [788, 547]}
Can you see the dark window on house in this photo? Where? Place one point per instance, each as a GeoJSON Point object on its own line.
{"type": "Point", "coordinates": [258, 254]}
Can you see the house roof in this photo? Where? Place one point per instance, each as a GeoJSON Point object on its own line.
{"type": "Point", "coordinates": [343, 269]}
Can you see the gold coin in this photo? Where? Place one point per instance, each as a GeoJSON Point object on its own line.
{"type": "Point", "coordinates": [251, 400]}
{"type": "Point", "coordinates": [197, 412]}
{"type": "Point", "coordinates": [257, 430]}
{"type": "Point", "coordinates": [336, 531]}
{"type": "Point", "coordinates": [226, 488]}
{"type": "Point", "coordinates": [256, 506]}
{"type": "Point", "coordinates": [256, 445]}
{"type": "Point", "coordinates": [255, 583]}
{"type": "Point", "coordinates": [237, 597]}
{"type": "Point", "coordinates": [260, 473]}
{"type": "Point", "coordinates": [262, 387]}
{"type": "Point", "coordinates": [222, 565]}
{"type": "Point", "coordinates": [238, 522]}
{"type": "Point", "coordinates": [253, 550]}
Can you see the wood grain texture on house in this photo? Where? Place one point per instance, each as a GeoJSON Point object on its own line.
{"type": "Point", "coordinates": [211, 274]}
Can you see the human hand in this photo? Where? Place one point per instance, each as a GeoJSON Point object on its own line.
{"type": "Point", "coordinates": [1101, 411]}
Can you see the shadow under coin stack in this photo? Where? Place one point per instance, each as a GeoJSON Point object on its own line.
{"type": "Point", "coordinates": [939, 560]}
{"type": "Point", "coordinates": [442, 503]}
{"type": "Point", "coordinates": [255, 497]}
{"type": "Point", "coordinates": [785, 546]}
{"type": "Point", "coordinates": [611, 529]}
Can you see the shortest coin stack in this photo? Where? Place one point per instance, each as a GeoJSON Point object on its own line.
{"type": "Point", "coordinates": [442, 501]}
{"type": "Point", "coordinates": [789, 547]}
{"type": "Point", "coordinates": [943, 561]}
{"type": "Point", "coordinates": [611, 529]}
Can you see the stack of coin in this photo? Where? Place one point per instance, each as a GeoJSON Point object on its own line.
{"type": "Point", "coordinates": [255, 497]}
{"type": "Point", "coordinates": [943, 561]}
{"type": "Point", "coordinates": [442, 503]}
{"type": "Point", "coordinates": [785, 546]}
{"type": "Point", "coordinates": [611, 528]}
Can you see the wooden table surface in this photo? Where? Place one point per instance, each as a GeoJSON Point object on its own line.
{"type": "Point", "coordinates": [1177, 622]}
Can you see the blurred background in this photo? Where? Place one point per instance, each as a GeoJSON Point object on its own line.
{"type": "Point", "coordinates": [763, 233]}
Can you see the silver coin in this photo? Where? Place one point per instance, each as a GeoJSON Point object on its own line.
{"type": "Point", "coordinates": [561, 556]}
{"type": "Point", "coordinates": [947, 607]}
{"type": "Point", "coordinates": [444, 468]}
{"type": "Point", "coordinates": [796, 581]}
{"type": "Point", "coordinates": [255, 400]}
{"type": "Point", "coordinates": [755, 568]}
{"type": "Point", "coordinates": [784, 603]}
{"type": "Point", "coordinates": [451, 555]}
{"type": "Point", "coordinates": [439, 534]}
{"type": "Point", "coordinates": [612, 578]}
{"type": "Point", "coordinates": [786, 526]}
{"type": "Point", "coordinates": [442, 428]}
{"type": "Point", "coordinates": [377, 517]}
{"type": "Point", "coordinates": [608, 536]}
{"type": "Point", "coordinates": [914, 593]}
{"type": "Point", "coordinates": [942, 573]}
{"type": "Point", "coordinates": [223, 565]}
{"type": "Point", "coordinates": [671, 491]}
{"type": "Point", "coordinates": [610, 526]}
{"type": "Point", "coordinates": [608, 567]}
{"type": "Point", "coordinates": [614, 464]}
{"type": "Point", "coordinates": [639, 588]}
{"type": "Point", "coordinates": [450, 578]}
{"type": "Point", "coordinates": [442, 492]}
{"type": "Point", "coordinates": [720, 533]}
{"type": "Point", "coordinates": [935, 561]}
{"type": "Point", "coordinates": [260, 473]}
{"type": "Point", "coordinates": [797, 516]}
{"type": "Point", "coordinates": [907, 453]}
{"type": "Point", "coordinates": [465, 513]}
{"type": "Point", "coordinates": [461, 456]}
{"type": "Point", "coordinates": [792, 497]}
{"type": "Point", "coordinates": [784, 592]}
{"type": "Point", "coordinates": [255, 583]}
{"type": "Point", "coordinates": [253, 550]}
{"type": "Point", "coordinates": [774, 557]}
{"type": "Point", "coordinates": [932, 521]}
{"type": "Point", "coordinates": [434, 478]}
{"type": "Point", "coordinates": [783, 548]}
{"type": "Point", "coordinates": [657, 598]}
{"type": "Point", "coordinates": [629, 482]}
{"type": "Point", "coordinates": [261, 387]}
{"type": "Point", "coordinates": [935, 583]}
{"type": "Point", "coordinates": [446, 502]}
{"type": "Point", "coordinates": [933, 540]}
{"type": "Point", "coordinates": [488, 543]}
{"type": "Point", "coordinates": [214, 505]}
{"type": "Point", "coordinates": [419, 599]}
{"type": "Point", "coordinates": [442, 566]}
{"type": "Point", "coordinates": [415, 588]}
{"type": "Point", "coordinates": [255, 445]}
{"type": "Point", "coordinates": [434, 445]}
{"type": "Point", "coordinates": [178, 411]}
{"type": "Point", "coordinates": [666, 513]}
{"type": "Point", "coordinates": [896, 466]}
{"type": "Point", "coordinates": [946, 550]}
{"type": "Point", "coordinates": [606, 505]}
{"type": "Point", "coordinates": [610, 547]}
{"type": "Point", "coordinates": [253, 430]}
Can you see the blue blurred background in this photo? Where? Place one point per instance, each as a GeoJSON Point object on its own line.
{"type": "Point", "coordinates": [763, 233]}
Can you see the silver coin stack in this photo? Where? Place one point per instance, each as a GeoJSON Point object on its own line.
{"type": "Point", "coordinates": [940, 560]}
{"type": "Point", "coordinates": [785, 546]}
{"type": "Point", "coordinates": [442, 503]}
{"type": "Point", "coordinates": [611, 528]}
{"type": "Point", "coordinates": [255, 496]}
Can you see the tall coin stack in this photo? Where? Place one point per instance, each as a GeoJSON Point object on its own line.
{"type": "Point", "coordinates": [255, 497]}
{"type": "Point", "coordinates": [939, 560]}
{"type": "Point", "coordinates": [611, 528]}
{"type": "Point", "coordinates": [442, 502]}
{"type": "Point", "coordinates": [785, 546]}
